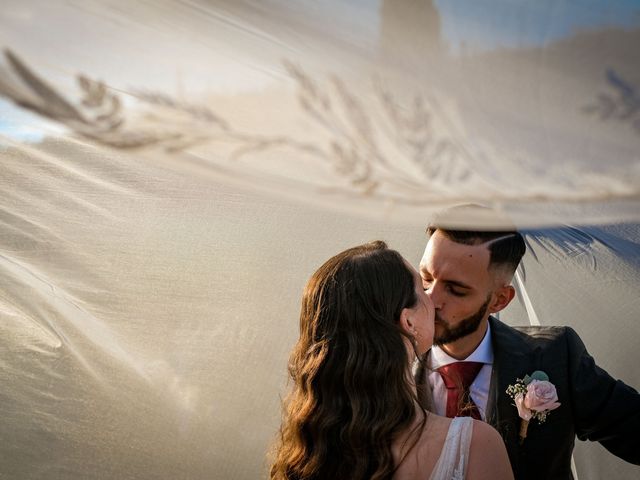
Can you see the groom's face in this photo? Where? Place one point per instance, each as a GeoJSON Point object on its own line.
{"type": "Point", "coordinates": [460, 284]}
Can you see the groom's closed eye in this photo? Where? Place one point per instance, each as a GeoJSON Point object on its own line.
{"type": "Point", "coordinates": [457, 289]}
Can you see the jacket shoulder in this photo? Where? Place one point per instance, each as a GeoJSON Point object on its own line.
{"type": "Point", "coordinates": [551, 333]}
{"type": "Point", "coordinates": [539, 336]}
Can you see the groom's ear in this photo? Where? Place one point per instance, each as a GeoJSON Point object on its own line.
{"type": "Point", "coordinates": [502, 296]}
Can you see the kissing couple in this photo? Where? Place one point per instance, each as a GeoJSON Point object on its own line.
{"type": "Point", "coordinates": [406, 375]}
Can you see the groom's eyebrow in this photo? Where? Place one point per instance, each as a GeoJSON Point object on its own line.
{"type": "Point", "coordinates": [455, 283]}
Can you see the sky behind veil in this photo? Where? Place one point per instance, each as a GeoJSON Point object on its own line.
{"type": "Point", "coordinates": [506, 97]}
{"type": "Point", "coordinates": [173, 171]}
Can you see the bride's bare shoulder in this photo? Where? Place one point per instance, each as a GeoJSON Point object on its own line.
{"type": "Point", "coordinates": [438, 423]}
{"type": "Point", "coordinates": [423, 455]}
{"type": "Point", "coordinates": [433, 439]}
{"type": "Point", "coordinates": [488, 457]}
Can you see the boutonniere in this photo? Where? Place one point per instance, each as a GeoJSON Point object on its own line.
{"type": "Point", "coordinates": [535, 397]}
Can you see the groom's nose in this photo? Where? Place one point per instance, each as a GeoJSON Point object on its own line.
{"type": "Point", "coordinates": [435, 295]}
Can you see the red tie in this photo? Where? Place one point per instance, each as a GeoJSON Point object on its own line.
{"type": "Point", "coordinates": [458, 377]}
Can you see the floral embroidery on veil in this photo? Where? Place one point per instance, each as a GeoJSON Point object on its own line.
{"type": "Point", "coordinates": [374, 147]}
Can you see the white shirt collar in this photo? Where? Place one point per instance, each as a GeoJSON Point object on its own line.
{"type": "Point", "coordinates": [483, 353]}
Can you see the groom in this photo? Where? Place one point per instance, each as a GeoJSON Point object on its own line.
{"type": "Point", "coordinates": [467, 274]}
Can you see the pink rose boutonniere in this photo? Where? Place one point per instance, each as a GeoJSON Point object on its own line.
{"type": "Point", "coordinates": [535, 396]}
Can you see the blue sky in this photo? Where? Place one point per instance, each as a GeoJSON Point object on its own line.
{"type": "Point", "coordinates": [488, 24]}
{"type": "Point", "coordinates": [19, 124]}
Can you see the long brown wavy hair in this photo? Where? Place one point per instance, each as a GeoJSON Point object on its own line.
{"type": "Point", "coordinates": [351, 394]}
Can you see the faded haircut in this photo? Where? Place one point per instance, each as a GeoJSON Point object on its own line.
{"type": "Point", "coordinates": [506, 245]}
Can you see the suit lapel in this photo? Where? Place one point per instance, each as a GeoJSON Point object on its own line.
{"type": "Point", "coordinates": [512, 359]}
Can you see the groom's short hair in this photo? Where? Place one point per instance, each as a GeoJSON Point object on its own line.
{"type": "Point", "coordinates": [506, 245]}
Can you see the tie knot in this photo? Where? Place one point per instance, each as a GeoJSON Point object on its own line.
{"type": "Point", "coordinates": [459, 374]}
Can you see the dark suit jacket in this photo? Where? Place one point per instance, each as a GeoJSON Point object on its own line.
{"type": "Point", "coordinates": [594, 406]}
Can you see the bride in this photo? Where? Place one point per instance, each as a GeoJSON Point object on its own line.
{"type": "Point", "coordinates": [353, 412]}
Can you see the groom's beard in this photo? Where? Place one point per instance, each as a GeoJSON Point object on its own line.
{"type": "Point", "coordinates": [466, 327]}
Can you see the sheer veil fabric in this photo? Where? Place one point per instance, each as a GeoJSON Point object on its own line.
{"type": "Point", "coordinates": [171, 172]}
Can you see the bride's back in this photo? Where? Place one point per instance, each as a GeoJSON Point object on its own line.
{"type": "Point", "coordinates": [452, 449]}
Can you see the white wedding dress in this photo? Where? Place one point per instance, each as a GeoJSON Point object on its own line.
{"type": "Point", "coordinates": [452, 464]}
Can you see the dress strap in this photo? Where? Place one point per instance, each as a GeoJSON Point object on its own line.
{"type": "Point", "coordinates": [452, 464]}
